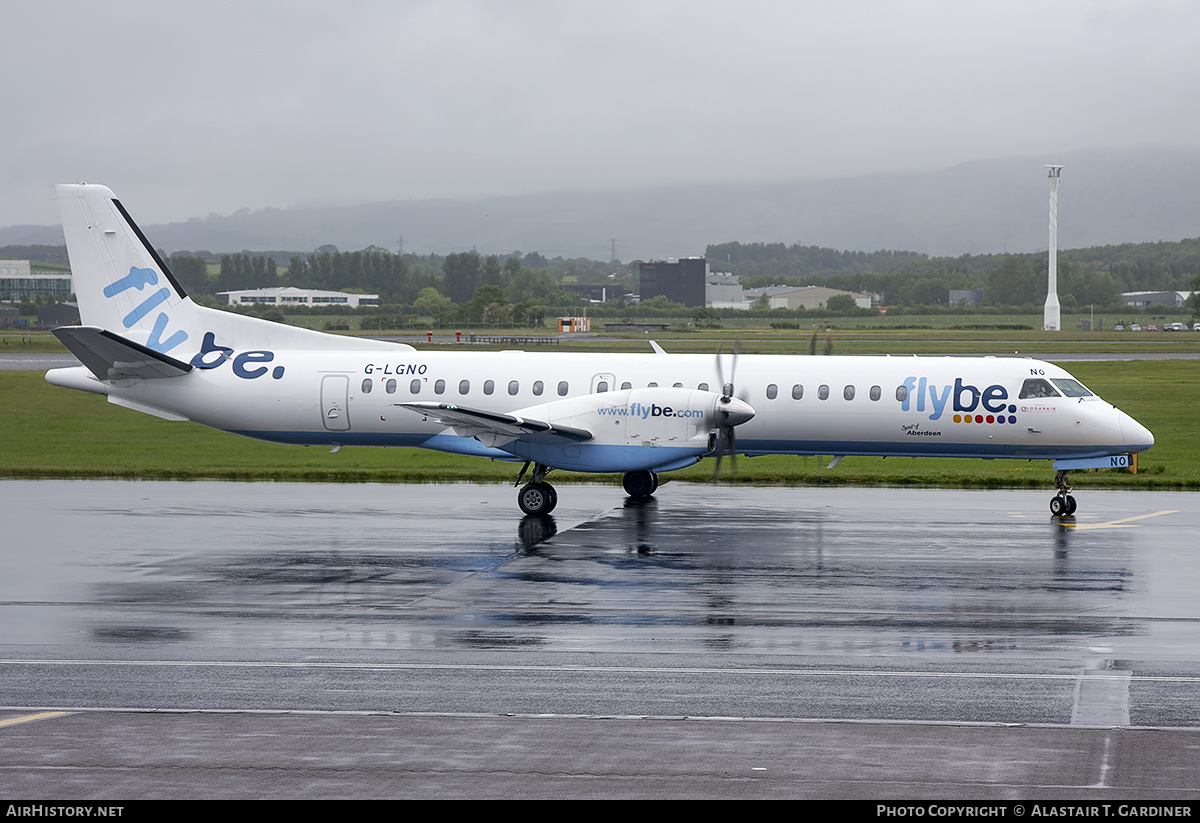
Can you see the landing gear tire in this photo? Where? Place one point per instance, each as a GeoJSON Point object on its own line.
{"type": "Point", "coordinates": [537, 498]}
{"type": "Point", "coordinates": [640, 484]}
{"type": "Point", "coordinates": [1062, 506]}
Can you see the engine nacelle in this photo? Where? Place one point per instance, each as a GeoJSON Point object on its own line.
{"type": "Point", "coordinates": [651, 428]}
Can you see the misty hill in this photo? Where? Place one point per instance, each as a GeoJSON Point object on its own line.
{"type": "Point", "coordinates": [1105, 197]}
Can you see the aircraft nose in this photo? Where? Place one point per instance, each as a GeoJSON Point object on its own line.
{"type": "Point", "coordinates": [735, 412]}
{"type": "Point", "coordinates": [1136, 436]}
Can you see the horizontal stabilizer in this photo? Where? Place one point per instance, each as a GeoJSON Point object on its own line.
{"type": "Point", "coordinates": [111, 357]}
{"type": "Point", "coordinates": [490, 428]}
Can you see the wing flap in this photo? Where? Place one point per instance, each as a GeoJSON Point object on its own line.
{"type": "Point", "coordinates": [491, 428]}
{"type": "Point", "coordinates": [112, 357]}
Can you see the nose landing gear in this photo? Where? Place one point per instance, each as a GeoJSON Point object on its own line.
{"type": "Point", "coordinates": [1062, 504]}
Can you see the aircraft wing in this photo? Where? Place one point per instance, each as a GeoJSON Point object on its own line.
{"type": "Point", "coordinates": [490, 428]}
{"type": "Point", "coordinates": [112, 357]}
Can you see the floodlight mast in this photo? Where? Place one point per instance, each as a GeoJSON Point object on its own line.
{"type": "Point", "coordinates": [1050, 317]}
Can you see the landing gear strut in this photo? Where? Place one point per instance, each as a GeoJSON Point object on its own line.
{"type": "Point", "coordinates": [1062, 504]}
{"type": "Point", "coordinates": [537, 497]}
{"type": "Point", "coordinates": [640, 485]}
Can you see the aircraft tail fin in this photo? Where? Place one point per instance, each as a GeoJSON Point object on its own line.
{"type": "Point", "coordinates": [124, 286]}
{"type": "Point", "coordinates": [121, 283]}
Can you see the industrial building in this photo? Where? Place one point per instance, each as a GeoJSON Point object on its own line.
{"type": "Point", "coordinates": [19, 282]}
{"type": "Point", "coordinates": [291, 296]}
{"type": "Point", "coordinates": [807, 297]}
{"type": "Point", "coordinates": [681, 281]}
{"type": "Point", "coordinates": [1141, 299]}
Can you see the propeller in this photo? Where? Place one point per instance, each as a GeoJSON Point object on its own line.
{"type": "Point", "coordinates": [729, 412]}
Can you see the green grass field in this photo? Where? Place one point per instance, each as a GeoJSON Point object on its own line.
{"type": "Point", "coordinates": [53, 432]}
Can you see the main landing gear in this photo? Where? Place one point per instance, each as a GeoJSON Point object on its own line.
{"type": "Point", "coordinates": [640, 485]}
{"type": "Point", "coordinates": [1062, 504]}
{"type": "Point", "coordinates": [537, 497]}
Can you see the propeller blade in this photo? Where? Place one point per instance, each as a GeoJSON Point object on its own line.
{"type": "Point", "coordinates": [730, 412]}
{"type": "Point", "coordinates": [732, 453]}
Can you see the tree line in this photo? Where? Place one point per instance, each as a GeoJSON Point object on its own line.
{"type": "Point", "coordinates": [1095, 276]}
{"type": "Point", "coordinates": [521, 288]}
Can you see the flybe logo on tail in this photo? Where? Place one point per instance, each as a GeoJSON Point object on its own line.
{"type": "Point", "coordinates": [138, 279]}
{"type": "Point", "coordinates": [921, 394]}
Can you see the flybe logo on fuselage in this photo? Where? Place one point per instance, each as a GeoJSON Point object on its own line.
{"type": "Point", "coordinates": [921, 394]}
{"type": "Point", "coordinates": [246, 365]}
{"type": "Point", "coordinates": [139, 279]}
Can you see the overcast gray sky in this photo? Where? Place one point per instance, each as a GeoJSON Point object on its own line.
{"type": "Point", "coordinates": [190, 108]}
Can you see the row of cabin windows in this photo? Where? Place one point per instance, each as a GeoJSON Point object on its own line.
{"type": "Point", "coordinates": [464, 386]}
{"type": "Point", "coordinates": [514, 386]}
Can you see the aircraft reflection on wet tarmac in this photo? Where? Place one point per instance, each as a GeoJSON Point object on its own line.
{"type": "Point", "coordinates": [859, 570]}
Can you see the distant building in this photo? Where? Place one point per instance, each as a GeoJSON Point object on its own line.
{"type": "Point", "coordinates": [682, 280]}
{"type": "Point", "coordinates": [723, 291]}
{"type": "Point", "coordinates": [966, 297]}
{"type": "Point", "coordinates": [807, 297]}
{"type": "Point", "coordinates": [599, 294]}
{"type": "Point", "coordinates": [58, 314]}
{"type": "Point", "coordinates": [291, 296]}
{"type": "Point", "coordinates": [18, 282]}
{"type": "Point", "coordinates": [8, 316]}
{"type": "Point", "coordinates": [1141, 299]}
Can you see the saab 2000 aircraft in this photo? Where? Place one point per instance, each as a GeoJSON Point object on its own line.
{"type": "Point", "coordinates": [146, 346]}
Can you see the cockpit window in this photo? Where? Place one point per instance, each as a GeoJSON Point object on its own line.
{"type": "Point", "coordinates": [1037, 387]}
{"type": "Point", "coordinates": [1069, 387]}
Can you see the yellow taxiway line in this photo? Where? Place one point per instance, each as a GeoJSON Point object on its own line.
{"type": "Point", "coordinates": [1115, 524]}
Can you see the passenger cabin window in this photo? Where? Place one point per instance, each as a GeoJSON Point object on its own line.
{"type": "Point", "coordinates": [703, 387]}
{"type": "Point", "coordinates": [391, 386]}
{"type": "Point", "coordinates": [902, 393]}
{"type": "Point", "coordinates": [677, 385]}
{"type": "Point", "coordinates": [1036, 387]}
{"type": "Point", "coordinates": [563, 388]}
{"type": "Point", "coordinates": [513, 386]}
{"type": "Point", "coordinates": [848, 392]}
{"type": "Point", "coordinates": [822, 392]}
{"type": "Point", "coordinates": [772, 391]}
{"type": "Point", "coordinates": [538, 386]}
{"type": "Point", "coordinates": [626, 385]}
{"type": "Point", "coordinates": [797, 391]}
{"type": "Point", "coordinates": [489, 386]}
{"type": "Point", "coordinates": [366, 386]}
{"type": "Point", "coordinates": [876, 392]}
{"type": "Point", "coordinates": [414, 387]}
{"type": "Point", "coordinates": [464, 386]}
{"type": "Point", "coordinates": [602, 386]}
{"type": "Point", "coordinates": [652, 385]}
{"type": "Point", "coordinates": [439, 387]}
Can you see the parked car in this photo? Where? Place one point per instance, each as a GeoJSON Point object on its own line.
{"type": "Point", "coordinates": [1174, 327]}
{"type": "Point", "coordinates": [1134, 327]}
{"type": "Point", "coordinates": [1152, 328]}
{"type": "Point", "coordinates": [1118, 327]}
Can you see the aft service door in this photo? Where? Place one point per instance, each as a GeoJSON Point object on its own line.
{"type": "Point", "coordinates": [602, 383]}
{"type": "Point", "coordinates": [335, 402]}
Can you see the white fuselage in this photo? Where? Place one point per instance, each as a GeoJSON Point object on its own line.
{"type": "Point", "coordinates": [951, 406]}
